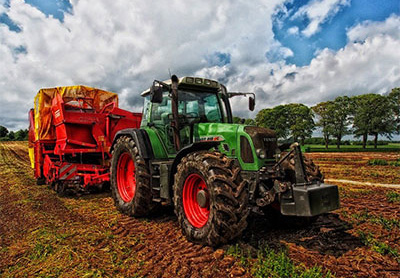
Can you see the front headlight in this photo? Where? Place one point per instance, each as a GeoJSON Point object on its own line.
{"type": "Point", "coordinates": [277, 154]}
{"type": "Point", "coordinates": [260, 153]}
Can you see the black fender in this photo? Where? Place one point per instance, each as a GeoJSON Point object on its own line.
{"type": "Point", "coordinates": [141, 138]}
{"type": "Point", "coordinates": [194, 147]}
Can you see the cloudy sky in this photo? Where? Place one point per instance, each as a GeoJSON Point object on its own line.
{"type": "Point", "coordinates": [284, 51]}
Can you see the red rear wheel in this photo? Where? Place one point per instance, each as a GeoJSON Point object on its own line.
{"type": "Point", "coordinates": [126, 181]}
{"type": "Point", "coordinates": [130, 179]}
{"type": "Point", "coordinates": [196, 202]}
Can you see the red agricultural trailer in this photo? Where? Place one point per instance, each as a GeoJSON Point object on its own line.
{"type": "Point", "coordinates": [70, 135]}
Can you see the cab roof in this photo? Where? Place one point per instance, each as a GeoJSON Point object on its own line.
{"type": "Point", "coordinates": [190, 81]}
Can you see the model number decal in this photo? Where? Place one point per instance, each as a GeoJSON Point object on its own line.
{"type": "Point", "coordinates": [269, 139]}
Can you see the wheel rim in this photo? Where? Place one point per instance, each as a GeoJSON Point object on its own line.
{"type": "Point", "coordinates": [197, 215]}
{"type": "Point", "coordinates": [126, 181]}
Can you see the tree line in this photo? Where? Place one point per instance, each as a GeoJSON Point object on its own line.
{"type": "Point", "coordinates": [20, 135]}
{"type": "Point", "coordinates": [361, 116]}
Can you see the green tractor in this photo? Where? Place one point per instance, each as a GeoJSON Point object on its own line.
{"type": "Point", "coordinates": [188, 153]}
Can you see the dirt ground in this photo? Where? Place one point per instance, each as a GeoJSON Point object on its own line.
{"type": "Point", "coordinates": [43, 235]}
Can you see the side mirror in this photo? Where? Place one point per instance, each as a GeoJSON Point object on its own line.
{"type": "Point", "coordinates": [156, 93]}
{"type": "Point", "coordinates": [252, 103]}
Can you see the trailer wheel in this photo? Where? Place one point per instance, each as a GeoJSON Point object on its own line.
{"type": "Point", "coordinates": [40, 181]}
{"type": "Point", "coordinates": [60, 188]}
{"type": "Point", "coordinates": [130, 179]}
{"type": "Point", "coordinates": [210, 198]}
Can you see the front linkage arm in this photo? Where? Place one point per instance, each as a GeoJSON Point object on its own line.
{"type": "Point", "coordinates": [301, 198]}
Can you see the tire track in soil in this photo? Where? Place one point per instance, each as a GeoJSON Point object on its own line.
{"type": "Point", "coordinates": [165, 252]}
{"type": "Point", "coordinates": [25, 208]}
{"type": "Point", "coordinates": [396, 186]}
{"type": "Point", "coordinates": [330, 242]}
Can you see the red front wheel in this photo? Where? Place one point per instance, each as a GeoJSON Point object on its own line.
{"type": "Point", "coordinates": [196, 203]}
{"type": "Point", "coordinates": [126, 181]}
{"type": "Point", "coordinates": [210, 198]}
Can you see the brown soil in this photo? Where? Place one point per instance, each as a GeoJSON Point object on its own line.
{"type": "Point", "coordinates": [354, 166]}
{"type": "Point", "coordinates": [44, 235]}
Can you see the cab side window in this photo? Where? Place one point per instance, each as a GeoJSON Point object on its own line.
{"type": "Point", "coordinates": [160, 111]}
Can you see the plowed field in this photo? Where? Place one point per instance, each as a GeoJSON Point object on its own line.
{"type": "Point", "coordinates": [43, 235]}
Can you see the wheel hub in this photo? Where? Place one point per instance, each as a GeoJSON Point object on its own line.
{"type": "Point", "coordinates": [202, 198]}
{"type": "Point", "coordinates": [126, 181]}
{"type": "Point", "coordinates": [196, 200]}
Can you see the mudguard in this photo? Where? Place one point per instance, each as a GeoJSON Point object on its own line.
{"type": "Point", "coordinates": [141, 138]}
{"type": "Point", "coordinates": [194, 147]}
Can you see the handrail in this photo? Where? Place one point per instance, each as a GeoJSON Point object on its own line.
{"type": "Point", "coordinates": [107, 105]}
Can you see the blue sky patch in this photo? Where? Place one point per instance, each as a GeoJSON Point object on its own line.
{"type": "Point", "coordinates": [332, 34]}
{"type": "Point", "coordinates": [55, 8]}
{"type": "Point", "coordinates": [7, 21]}
{"type": "Point", "coordinates": [219, 59]}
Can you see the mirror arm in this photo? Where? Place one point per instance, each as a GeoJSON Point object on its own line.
{"type": "Point", "coordinates": [234, 94]}
{"type": "Point", "coordinates": [162, 84]}
{"type": "Point", "coordinates": [252, 100]}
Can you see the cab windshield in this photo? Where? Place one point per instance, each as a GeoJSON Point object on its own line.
{"type": "Point", "coordinates": [199, 106]}
{"type": "Point", "coordinates": [203, 106]}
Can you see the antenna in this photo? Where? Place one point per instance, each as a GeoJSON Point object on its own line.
{"type": "Point", "coordinates": [169, 71]}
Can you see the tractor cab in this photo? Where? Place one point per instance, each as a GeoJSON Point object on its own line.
{"type": "Point", "coordinates": [174, 118]}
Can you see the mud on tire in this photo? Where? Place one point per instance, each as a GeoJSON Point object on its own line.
{"type": "Point", "coordinates": [141, 202]}
{"type": "Point", "coordinates": [227, 194]}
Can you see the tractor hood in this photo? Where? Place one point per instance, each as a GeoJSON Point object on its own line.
{"type": "Point", "coordinates": [264, 140]}
{"type": "Point", "coordinates": [252, 146]}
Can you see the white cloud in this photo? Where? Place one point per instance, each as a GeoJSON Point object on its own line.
{"type": "Point", "coordinates": [370, 66]}
{"type": "Point", "coordinates": [124, 45]}
{"type": "Point", "coordinates": [293, 30]}
{"type": "Point", "coordinates": [318, 12]}
{"type": "Point", "coordinates": [364, 30]}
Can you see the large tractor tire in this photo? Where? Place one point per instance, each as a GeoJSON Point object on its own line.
{"type": "Point", "coordinates": [312, 171]}
{"type": "Point", "coordinates": [210, 198]}
{"type": "Point", "coordinates": [130, 179]}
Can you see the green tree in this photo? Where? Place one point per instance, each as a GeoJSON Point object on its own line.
{"type": "Point", "coordinates": [301, 122]}
{"type": "Point", "coordinates": [274, 118]}
{"type": "Point", "coordinates": [293, 119]}
{"type": "Point", "coordinates": [394, 98]}
{"type": "Point", "coordinates": [21, 135]}
{"type": "Point", "coordinates": [325, 113]}
{"type": "Point", "coordinates": [238, 120]}
{"type": "Point", "coordinates": [373, 115]}
{"type": "Point", "coordinates": [3, 131]}
{"type": "Point", "coordinates": [250, 122]}
{"type": "Point", "coordinates": [341, 118]}
{"type": "Point", "coordinates": [11, 136]}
